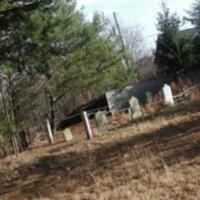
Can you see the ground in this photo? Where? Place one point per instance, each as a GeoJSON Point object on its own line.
{"type": "Point", "coordinates": [154, 159]}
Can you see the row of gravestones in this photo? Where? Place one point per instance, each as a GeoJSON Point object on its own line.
{"type": "Point", "coordinates": [102, 121]}
{"type": "Point", "coordinates": [134, 110]}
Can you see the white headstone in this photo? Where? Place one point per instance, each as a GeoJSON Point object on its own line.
{"type": "Point", "coordinates": [149, 97]}
{"type": "Point", "coordinates": [168, 96]}
{"type": "Point", "coordinates": [135, 108]}
{"type": "Point", "coordinates": [68, 134]}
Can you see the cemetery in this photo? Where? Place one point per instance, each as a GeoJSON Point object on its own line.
{"type": "Point", "coordinates": [99, 100]}
{"type": "Point", "coordinates": [113, 155]}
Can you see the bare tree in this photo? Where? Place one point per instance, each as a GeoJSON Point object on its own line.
{"type": "Point", "coordinates": [132, 41]}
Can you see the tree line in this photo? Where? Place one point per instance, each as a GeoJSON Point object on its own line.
{"type": "Point", "coordinates": [51, 59]}
{"type": "Point", "coordinates": [178, 51]}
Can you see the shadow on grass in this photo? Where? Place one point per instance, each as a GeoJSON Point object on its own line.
{"type": "Point", "coordinates": [67, 172]}
{"type": "Point", "coordinates": [170, 111]}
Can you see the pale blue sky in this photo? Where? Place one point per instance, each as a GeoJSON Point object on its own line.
{"type": "Point", "coordinates": [136, 12]}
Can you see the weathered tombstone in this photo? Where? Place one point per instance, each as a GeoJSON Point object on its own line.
{"type": "Point", "coordinates": [149, 97]}
{"type": "Point", "coordinates": [68, 134]}
{"type": "Point", "coordinates": [101, 120]}
{"type": "Point", "coordinates": [186, 92]}
{"type": "Point", "coordinates": [135, 108]}
{"type": "Point", "coordinates": [168, 96]}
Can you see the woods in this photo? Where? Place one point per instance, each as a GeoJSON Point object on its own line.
{"type": "Point", "coordinates": [177, 50]}
{"type": "Point", "coordinates": [53, 60]}
{"type": "Point", "coordinates": [48, 54]}
{"type": "Point", "coordinates": [99, 100]}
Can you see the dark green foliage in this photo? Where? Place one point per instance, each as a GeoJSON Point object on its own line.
{"type": "Point", "coordinates": [166, 55]}
{"type": "Point", "coordinates": [194, 19]}
{"type": "Point", "coordinates": [174, 50]}
{"type": "Point", "coordinates": [49, 52]}
{"type": "Point", "coordinates": [168, 23]}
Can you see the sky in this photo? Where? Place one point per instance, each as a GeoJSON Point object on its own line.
{"type": "Point", "coordinates": [140, 13]}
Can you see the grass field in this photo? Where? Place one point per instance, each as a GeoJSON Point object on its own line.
{"type": "Point", "coordinates": [158, 158]}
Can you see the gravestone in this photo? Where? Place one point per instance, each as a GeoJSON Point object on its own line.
{"type": "Point", "coordinates": [101, 120]}
{"type": "Point", "coordinates": [135, 108]}
{"type": "Point", "coordinates": [149, 97]}
{"type": "Point", "coordinates": [68, 134]}
{"type": "Point", "coordinates": [168, 96]}
{"type": "Point", "coordinates": [186, 92]}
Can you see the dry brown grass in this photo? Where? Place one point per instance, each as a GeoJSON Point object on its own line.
{"type": "Point", "coordinates": [155, 159]}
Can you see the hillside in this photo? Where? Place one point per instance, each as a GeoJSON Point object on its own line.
{"type": "Point", "coordinates": [157, 158]}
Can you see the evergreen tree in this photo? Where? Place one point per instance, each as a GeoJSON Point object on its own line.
{"type": "Point", "coordinates": [194, 19]}
{"type": "Point", "coordinates": [48, 52]}
{"type": "Point", "coordinates": [173, 49]}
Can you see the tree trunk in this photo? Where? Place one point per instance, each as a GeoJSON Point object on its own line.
{"type": "Point", "coordinates": [24, 141]}
{"type": "Point", "coordinates": [14, 144]}
{"type": "Point", "coordinates": [9, 117]}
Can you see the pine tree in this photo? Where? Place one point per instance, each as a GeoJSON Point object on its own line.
{"type": "Point", "coordinates": [51, 51]}
{"type": "Point", "coordinates": [166, 55]}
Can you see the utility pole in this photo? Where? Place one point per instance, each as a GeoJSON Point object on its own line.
{"type": "Point", "coordinates": [120, 37]}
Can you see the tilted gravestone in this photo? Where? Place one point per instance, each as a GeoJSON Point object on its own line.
{"type": "Point", "coordinates": [68, 134]}
{"type": "Point", "coordinates": [101, 120]}
{"type": "Point", "coordinates": [135, 108]}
